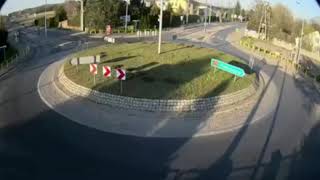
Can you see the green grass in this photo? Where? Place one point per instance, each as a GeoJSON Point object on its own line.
{"type": "Point", "coordinates": [180, 72]}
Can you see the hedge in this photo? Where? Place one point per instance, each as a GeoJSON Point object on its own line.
{"type": "Point", "coordinates": [4, 37]}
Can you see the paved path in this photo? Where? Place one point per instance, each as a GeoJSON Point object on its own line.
{"type": "Point", "coordinates": [42, 144]}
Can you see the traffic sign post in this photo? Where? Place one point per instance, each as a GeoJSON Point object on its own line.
{"type": "Point", "coordinates": [121, 75]}
{"type": "Point", "coordinates": [227, 67]}
{"type": "Point", "coordinates": [94, 71]}
{"type": "Point", "coordinates": [78, 62]}
{"type": "Point", "coordinates": [251, 62]}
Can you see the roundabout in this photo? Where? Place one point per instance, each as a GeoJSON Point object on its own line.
{"type": "Point", "coordinates": [151, 117]}
{"type": "Point", "coordinates": [97, 141]}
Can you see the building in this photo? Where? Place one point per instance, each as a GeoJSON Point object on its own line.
{"type": "Point", "coordinates": [196, 7]}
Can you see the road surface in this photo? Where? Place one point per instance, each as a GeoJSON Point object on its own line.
{"type": "Point", "coordinates": [38, 143]}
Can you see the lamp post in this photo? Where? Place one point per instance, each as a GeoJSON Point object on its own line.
{"type": "Point", "coordinates": [45, 19]}
{"type": "Point", "coordinates": [300, 39]}
{"type": "Point", "coordinates": [126, 20]}
{"type": "Point", "coordinates": [210, 14]}
{"type": "Point", "coordinates": [160, 26]}
{"type": "Point", "coordinates": [205, 16]}
{"type": "Point", "coordinates": [81, 15]}
{"type": "Point", "coordinates": [188, 9]}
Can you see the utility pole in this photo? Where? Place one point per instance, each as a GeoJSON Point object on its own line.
{"type": "Point", "coordinates": [210, 13]}
{"type": "Point", "coordinates": [126, 24]}
{"type": "Point", "coordinates": [300, 43]}
{"type": "Point", "coordinates": [300, 39]}
{"type": "Point", "coordinates": [45, 19]}
{"type": "Point", "coordinates": [160, 26]}
{"type": "Point", "coordinates": [263, 31]}
{"type": "Point", "coordinates": [205, 17]}
{"type": "Point", "coordinates": [188, 9]}
{"type": "Point", "coordinates": [81, 15]}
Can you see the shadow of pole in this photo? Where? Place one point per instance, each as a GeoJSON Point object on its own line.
{"type": "Point", "coordinates": [264, 148]}
{"type": "Point", "coordinates": [223, 167]}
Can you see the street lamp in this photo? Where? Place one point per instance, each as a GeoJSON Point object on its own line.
{"type": "Point", "coordinates": [126, 20]}
{"type": "Point", "coordinates": [45, 19]}
{"type": "Point", "coordinates": [300, 40]}
{"type": "Point", "coordinates": [81, 16]}
{"type": "Point", "coordinates": [210, 14]}
{"type": "Point", "coordinates": [160, 26]}
{"type": "Point", "coordinates": [205, 16]}
{"type": "Point", "coordinates": [188, 9]}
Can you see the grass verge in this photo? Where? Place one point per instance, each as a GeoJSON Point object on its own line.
{"type": "Point", "coordinates": [179, 72]}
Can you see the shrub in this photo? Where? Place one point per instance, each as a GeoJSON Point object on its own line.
{"type": "Point", "coordinates": [74, 21]}
{"type": "Point", "coordinates": [3, 37]}
{"type": "Point", "coordinates": [194, 18]}
{"type": "Point", "coordinates": [318, 78]}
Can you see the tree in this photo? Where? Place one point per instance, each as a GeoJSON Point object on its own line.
{"type": "Point", "coordinates": [61, 14]}
{"type": "Point", "coordinates": [180, 11]}
{"type": "Point", "coordinates": [237, 8]}
{"type": "Point", "coordinates": [99, 13]}
{"type": "Point", "coordinates": [135, 9]}
{"type": "Point", "coordinates": [170, 11]}
{"type": "Point", "coordinates": [154, 11]}
{"type": "Point", "coordinates": [243, 13]}
{"type": "Point", "coordinates": [316, 26]}
{"type": "Point", "coordinates": [154, 14]}
{"type": "Point", "coordinates": [3, 32]}
{"type": "Point", "coordinates": [254, 15]}
{"type": "Point", "coordinates": [282, 21]}
{"type": "Point", "coordinates": [72, 9]}
{"type": "Point", "coordinates": [308, 28]}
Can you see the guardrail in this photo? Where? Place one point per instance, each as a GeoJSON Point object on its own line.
{"type": "Point", "coordinates": [279, 56]}
{"type": "Point", "coordinates": [267, 52]}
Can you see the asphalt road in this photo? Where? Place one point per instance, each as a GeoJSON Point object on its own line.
{"type": "Point", "coordinates": [38, 143]}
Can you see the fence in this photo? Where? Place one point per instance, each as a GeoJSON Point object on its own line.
{"type": "Point", "coordinates": [14, 59]}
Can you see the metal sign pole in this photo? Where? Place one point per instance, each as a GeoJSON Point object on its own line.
{"type": "Point", "coordinates": [126, 20]}
{"type": "Point", "coordinates": [94, 79]}
{"type": "Point", "coordinates": [120, 86]}
{"type": "Point", "coordinates": [4, 54]}
{"type": "Point", "coordinates": [78, 64]}
{"type": "Point", "coordinates": [160, 26]}
{"type": "Point", "coordinates": [45, 19]}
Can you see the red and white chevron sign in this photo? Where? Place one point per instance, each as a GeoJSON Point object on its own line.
{"type": "Point", "coordinates": [94, 69]}
{"type": "Point", "coordinates": [106, 71]}
{"type": "Point", "coordinates": [121, 74]}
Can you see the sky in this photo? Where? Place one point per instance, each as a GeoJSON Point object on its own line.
{"type": "Point", "coordinates": [306, 9]}
{"type": "Point", "coordinates": [16, 5]}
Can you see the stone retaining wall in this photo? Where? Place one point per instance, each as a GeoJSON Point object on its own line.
{"type": "Point", "coordinates": [154, 104]}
